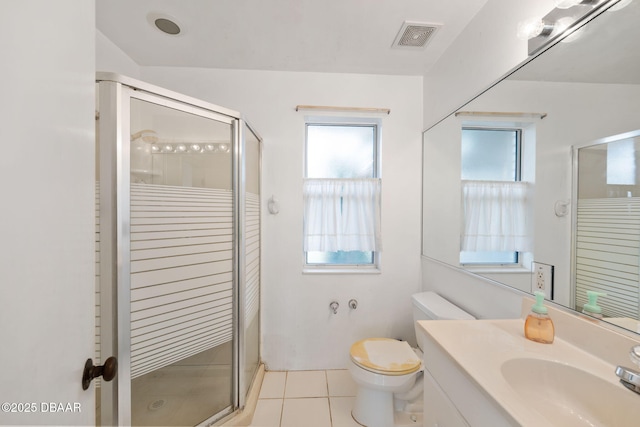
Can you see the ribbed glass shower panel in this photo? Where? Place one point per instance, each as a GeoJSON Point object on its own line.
{"type": "Point", "coordinates": [182, 265]}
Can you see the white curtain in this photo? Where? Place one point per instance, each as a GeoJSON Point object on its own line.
{"type": "Point", "coordinates": [495, 216]}
{"type": "Point", "coordinates": [342, 215]}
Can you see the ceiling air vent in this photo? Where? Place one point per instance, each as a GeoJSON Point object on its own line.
{"type": "Point", "coordinates": [414, 35]}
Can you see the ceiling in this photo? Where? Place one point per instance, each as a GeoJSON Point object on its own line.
{"type": "Point", "coordinates": [338, 36]}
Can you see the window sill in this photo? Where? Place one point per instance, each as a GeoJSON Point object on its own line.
{"type": "Point", "coordinates": [505, 269]}
{"type": "Point", "coordinates": [341, 270]}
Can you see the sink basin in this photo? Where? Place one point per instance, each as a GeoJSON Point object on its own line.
{"type": "Point", "coordinates": [567, 396]}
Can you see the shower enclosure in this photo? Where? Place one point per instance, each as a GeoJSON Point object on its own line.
{"type": "Point", "coordinates": [178, 253]}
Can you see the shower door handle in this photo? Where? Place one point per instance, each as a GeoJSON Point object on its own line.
{"type": "Point", "coordinates": [107, 371]}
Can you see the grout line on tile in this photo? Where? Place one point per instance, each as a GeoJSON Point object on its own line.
{"type": "Point", "coordinates": [329, 400]}
{"type": "Point", "coordinates": [284, 393]}
{"type": "Point", "coordinates": [306, 397]}
{"type": "Point", "coordinates": [326, 385]}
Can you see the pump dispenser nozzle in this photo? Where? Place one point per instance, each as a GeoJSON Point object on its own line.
{"type": "Point", "coordinates": [539, 307]}
{"type": "Point", "coordinates": [591, 307]}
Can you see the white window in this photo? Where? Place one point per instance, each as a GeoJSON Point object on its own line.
{"type": "Point", "coordinates": [342, 190]}
{"type": "Point", "coordinates": [494, 199]}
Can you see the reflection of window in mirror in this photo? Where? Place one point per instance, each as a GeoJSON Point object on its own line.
{"type": "Point", "coordinates": [494, 198]}
{"type": "Point", "coordinates": [621, 162]}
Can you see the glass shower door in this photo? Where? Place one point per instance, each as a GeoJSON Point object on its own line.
{"type": "Point", "coordinates": [182, 263]}
{"type": "Point", "coordinates": [250, 223]}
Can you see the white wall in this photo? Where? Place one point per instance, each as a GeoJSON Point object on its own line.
{"type": "Point", "coordinates": [484, 52]}
{"type": "Point", "coordinates": [47, 220]}
{"type": "Point", "coordinates": [111, 58]}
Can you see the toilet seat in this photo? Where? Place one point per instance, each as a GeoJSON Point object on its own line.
{"type": "Point", "coordinates": [385, 356]}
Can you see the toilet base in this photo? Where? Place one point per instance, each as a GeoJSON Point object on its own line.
{"type": "Point", "coordinates": [373, 408]}
{"type": "Point", "coordinates": [400, 419]}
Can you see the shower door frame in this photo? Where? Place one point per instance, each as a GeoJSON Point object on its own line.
{"type": "Point", "coordinates": [114, 95]}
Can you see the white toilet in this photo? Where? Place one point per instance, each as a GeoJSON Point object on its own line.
{"type": "Point", "coordinates": [388, 372]}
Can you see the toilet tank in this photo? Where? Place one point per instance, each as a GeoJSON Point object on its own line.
{"type": "Point", "coordinates": [431, 306]}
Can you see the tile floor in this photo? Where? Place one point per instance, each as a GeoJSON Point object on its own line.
{"type": "Point", "coordinates": [306, 398]}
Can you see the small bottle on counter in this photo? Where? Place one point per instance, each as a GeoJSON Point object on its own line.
{"type": "Point", "coordinates": [538, 326]}
{"type": "Point", "coordinates": [591, 307]}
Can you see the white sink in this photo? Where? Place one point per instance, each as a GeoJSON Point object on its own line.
{"type": "Point", "coordinates": [494, 376]}
{"type": "Point", "coordinates": [569, 396]}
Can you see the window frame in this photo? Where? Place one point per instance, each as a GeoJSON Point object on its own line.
{"type": "Point", "coordinates": [340, 121]}
{"type": "Point", "coordinates": [519, 132]}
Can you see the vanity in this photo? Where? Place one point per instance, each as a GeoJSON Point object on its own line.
{"type": "Point", "coordinates": [486, 373]}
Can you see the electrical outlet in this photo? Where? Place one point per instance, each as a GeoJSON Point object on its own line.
{"type": "Point", "coordinates": [542, 279]}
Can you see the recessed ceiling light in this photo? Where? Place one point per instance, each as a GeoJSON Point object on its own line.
{"type": "Point", "coordinates": [167, 26]}
{"type": "Point", "coordinates": [165, 23]}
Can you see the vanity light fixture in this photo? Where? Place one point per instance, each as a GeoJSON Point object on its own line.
{"type": "Point", "coordinates": [561, 22]}
{"type": "Point", "coordinates": [534, 27]}
{"type": "Point", "coordinates": [566, 4]}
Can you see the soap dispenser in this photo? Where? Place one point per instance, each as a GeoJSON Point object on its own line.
{"type": "Point", "coordinates": [591, 307]}
{"type": "Point", "coordinates": [538, 326]}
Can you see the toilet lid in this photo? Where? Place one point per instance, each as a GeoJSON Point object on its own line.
{"type": "Point", "coordinates": [385, 356]}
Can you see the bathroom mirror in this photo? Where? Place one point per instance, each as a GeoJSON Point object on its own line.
{"type": "Point", "coordinates": [582, 89]}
